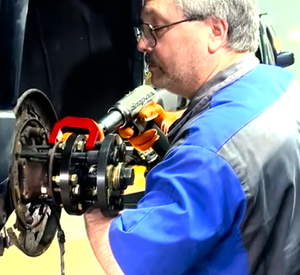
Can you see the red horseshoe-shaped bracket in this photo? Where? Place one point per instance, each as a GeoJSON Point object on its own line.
{"type": "Point", "coordinates": [73, 124]}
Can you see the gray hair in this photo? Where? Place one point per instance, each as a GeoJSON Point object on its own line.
{"type": "Point", "coordinates": [241, 15]}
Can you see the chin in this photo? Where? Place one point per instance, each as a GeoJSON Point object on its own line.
{"type": "Point", "coordinates": [158, 79]}
{"type": "Point", "coordinates": [158, 83]}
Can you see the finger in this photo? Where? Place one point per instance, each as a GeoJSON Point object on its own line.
{"type": "Point", "coordinates": [145, 146]}
{"type": "Point", "coordinates": [126, 132]}
{"type": "Point", "coordinates": [143, 138]}
{"type": "Point", "coordinates": [150, 112]}
{"type": "Point", "coordinates": [166, 119]}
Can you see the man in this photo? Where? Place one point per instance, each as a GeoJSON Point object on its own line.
{"type": "Point", "coordinates": [225, 199]}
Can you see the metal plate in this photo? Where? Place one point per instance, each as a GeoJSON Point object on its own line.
{"type": "Point", "coordinates": [107, 198]}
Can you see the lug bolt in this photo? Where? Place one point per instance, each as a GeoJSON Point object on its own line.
{"type": "Point", "coordinates": [80, 145]}
{"type": "Point", "coordinates": [76, 190]}
{"type": "Point", "coordinates": [44, 190]}
{"type": "Point", "coordinates": [61, 145]}
{"type": "Point", "coordinates": [56, 179]}
{"type": "Point", "coordinates": [74, 179]}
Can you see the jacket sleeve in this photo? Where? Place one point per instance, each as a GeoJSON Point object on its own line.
{"type": "Point", "coordinates": [192, 199]}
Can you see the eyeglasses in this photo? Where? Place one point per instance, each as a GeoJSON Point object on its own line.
{"type": "Point", "coordinates": [146, 31]}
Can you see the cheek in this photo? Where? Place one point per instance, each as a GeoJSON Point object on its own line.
{"type": "Point", "coordinates": [162, 58]}
{"type": "Point", "coordinates": [165, 53]}
{"type": "Point", "coordinates": [176, 56]}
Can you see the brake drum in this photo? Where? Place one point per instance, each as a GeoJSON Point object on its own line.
{"type": "Point", "coordinates": [36, 222]}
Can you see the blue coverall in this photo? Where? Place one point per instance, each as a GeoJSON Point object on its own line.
{"type": "Point", "coordinates": [226, 198]}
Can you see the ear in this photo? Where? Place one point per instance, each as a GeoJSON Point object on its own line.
{"type": "Point", "coordinates": [219, 34]}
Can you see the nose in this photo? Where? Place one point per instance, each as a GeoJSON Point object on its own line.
{"type": "Point", "coordinates": [142, 46]}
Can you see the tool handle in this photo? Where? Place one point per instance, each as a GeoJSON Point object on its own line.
{"type": "Point", "coordinates": [162, 144]}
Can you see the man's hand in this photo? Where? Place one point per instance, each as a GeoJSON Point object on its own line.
{"type": "Point", "coordinates": [97, 227]}
{"type": "Point", "coordinates": [153, 111]}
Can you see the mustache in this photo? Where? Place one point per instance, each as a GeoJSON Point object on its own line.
{"type": "Point", "coordinates": [150, 60]}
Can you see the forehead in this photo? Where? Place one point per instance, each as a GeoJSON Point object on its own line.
{"type": "Point", "coordinates": [165, 8]}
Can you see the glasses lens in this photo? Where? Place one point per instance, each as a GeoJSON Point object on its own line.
{"type": "Point", "coordinates": [147, 35]}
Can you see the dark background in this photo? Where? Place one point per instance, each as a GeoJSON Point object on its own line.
{"type": "Point", "coordinates": [81, 53]}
